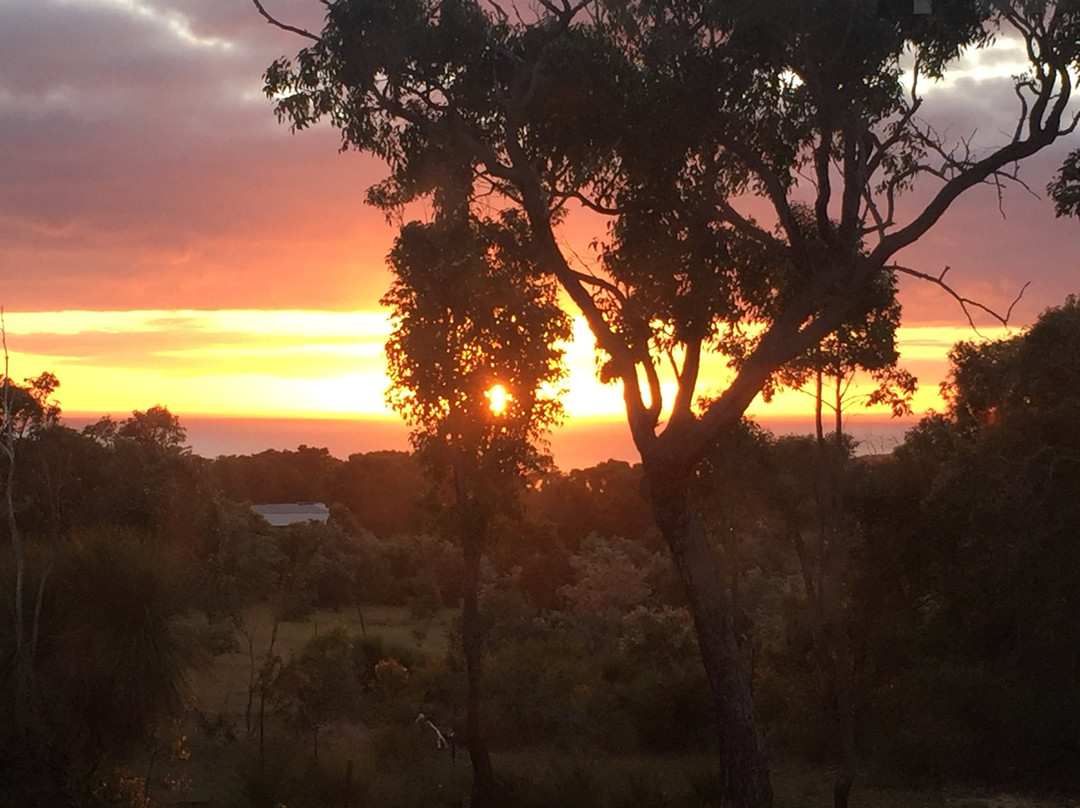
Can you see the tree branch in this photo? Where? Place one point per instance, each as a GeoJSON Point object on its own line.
{"type": "Point", "coordinates": [687, 379]}
{"type": "Point", "coordinates": [966, 303]}
{"type": "Point", "coordinates": [292, 29]}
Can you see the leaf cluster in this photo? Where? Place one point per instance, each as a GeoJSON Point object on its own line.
{"type": "Point", "coordinates": [29, 407]}
{"type": "Point", "coordinates": [1033, 374]}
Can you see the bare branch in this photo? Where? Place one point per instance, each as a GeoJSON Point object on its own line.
{"type": "Point", "coordinates": [607, 286]}
{"type": "Point", "coordinates": [500, 12]}
{"type": "Point", "coordinates": [591, 204]}
{"type": "Point", "coordinates": [746, 226]}
{"type": "Point", "coordinates": [966, 303]}
{"type": "Point", "coordinates": [292, 29]}
{"type": "Point", "coordinates": [656, 398]}
{"type": "Point", "coordinates": [881, 224]}
{"type": "Point", "coordinates": [1018, 89]}
{"type": "Point", "coordinates": [687, 379]}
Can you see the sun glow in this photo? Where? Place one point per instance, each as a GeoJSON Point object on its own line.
{"type": "Point", "coordinates": [305, 364]}
{"type": "Point", "coordinates": [498, 399]}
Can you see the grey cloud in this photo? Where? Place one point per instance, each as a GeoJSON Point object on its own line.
{"type": "Point", "coordinates": [141, 170]}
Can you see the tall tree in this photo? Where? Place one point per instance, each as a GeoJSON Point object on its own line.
{"type": "Point", "coordinates": [573, 103]}
{"type": "Point", "coordinates": [475, 365]}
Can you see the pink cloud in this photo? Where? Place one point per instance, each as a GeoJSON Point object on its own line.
{"type": "Point", "coordinates": [144, 168]}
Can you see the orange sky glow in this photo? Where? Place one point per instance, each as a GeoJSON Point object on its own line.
{"type": "Point", "coordinates": [318, 364]}
{"type": "Point", "coordinates": [163, 240]}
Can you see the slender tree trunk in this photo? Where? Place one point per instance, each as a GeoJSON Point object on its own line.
{"type": "Point", "coordinates": [360, 614]}
{"type": "Point", "coordinates": [835, 651]}
{"type": "Point", "coordinates": [744, 771]}
{"type": "Point", "coordinates": [248, 634]}
{"type": "Point", "coordinates": [819, 426]}
{"type": "Point", "coordinates": [17, 547]}
{"type": "Point", "coordinates": [839, 409]}
{"type": "Point", "coordinates": [845, 707]}
{"type": "Point", "coordinates": [264, 686]}
{"type": "Point", "coordinates": [472, 545]}
{"type": "Point", "coordinates": [838, 657]}
{"type": "Point", "coordinates": [22, 663]}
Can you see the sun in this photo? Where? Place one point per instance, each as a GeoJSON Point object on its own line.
{"type": "Point", "coordinates": [498, 399]}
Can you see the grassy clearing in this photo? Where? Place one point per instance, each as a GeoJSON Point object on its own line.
{"type": "Point", "coordinates": [221, 687]}
{"type": "Point", "coordinates": [221, 764]}
{"type": "Point", "coordinates": [397, 764]}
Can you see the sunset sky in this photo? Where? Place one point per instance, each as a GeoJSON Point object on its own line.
{"type": "Point", "coordinates": [164, 240]}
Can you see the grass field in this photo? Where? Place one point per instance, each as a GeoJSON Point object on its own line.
{"type": "Point", "coordinates": [222, 686]}
{"type": "Point", "coordinates": [217, 741]}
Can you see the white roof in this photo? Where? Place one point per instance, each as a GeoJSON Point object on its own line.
{"type": "Point", "coordinates": [280, 514]}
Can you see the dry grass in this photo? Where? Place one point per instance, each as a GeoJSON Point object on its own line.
{"type": "Point", "coordinates": [222, 686]}
{"type": "Point", "coordinates": [682, 780]}
{"type": "Point", "coordinates": [801, 786]}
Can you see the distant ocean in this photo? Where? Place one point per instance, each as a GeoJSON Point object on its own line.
{"type": "Point", "coordinates": [575, 445]}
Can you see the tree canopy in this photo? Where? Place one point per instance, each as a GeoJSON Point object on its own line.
{"type": "Point", "coordinates": [574, 106]}
{"type": "Point", "coordinates": [475, 362]}
{"type": "Point", "coordinates": [29, 406]}
{"type": "Point", "coordinates": [1033, 374]}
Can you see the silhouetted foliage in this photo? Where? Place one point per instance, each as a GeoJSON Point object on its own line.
{"type": "Point", "coordinates": [1065, 187]}
{"type": "Point", "coordinates": [110, 667]}
{"type": "Point", "coordinates": [576, 104]}
{"type": "Point", "coordinates": [604, 499]}
{"type": "Point", "coordinates": [304, 475]}
{"type": "Point", "coordinates": [29, 406]}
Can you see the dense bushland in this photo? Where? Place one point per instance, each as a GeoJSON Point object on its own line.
{"type": "Point", "coordinates": [931, 615]}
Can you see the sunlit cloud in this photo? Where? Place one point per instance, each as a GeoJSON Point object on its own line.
{"type": "Point", "coordinates": [298, 363]}
{"type": "Point", "coordinates": [302, 363]}
{"type": "Point", "coordinates": [176, 24]}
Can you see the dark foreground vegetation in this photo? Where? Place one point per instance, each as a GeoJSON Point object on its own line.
{"type": "Point", "coordinates": [162, 643]}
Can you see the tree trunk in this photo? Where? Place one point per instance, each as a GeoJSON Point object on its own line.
{"type": "Point", "coordinates": [472, 543]}
{"type": "Point", "coordinates": [819, 427]}
{"type": "Point", "coordinates": [839, 657]}
{"type": "Point", "coordinates": [838, 407]}
{"type": "Point", "coordinates": [744, 771]}
{"type": "Point", "coordinates": [831, 630]}
{"type": "Point", "coordinates": [845, 706]}
{"type": "Point", "coordinates": [21, 663]}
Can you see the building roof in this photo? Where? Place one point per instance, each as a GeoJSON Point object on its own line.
{"type": "Point", "coordinates": [280, 514]}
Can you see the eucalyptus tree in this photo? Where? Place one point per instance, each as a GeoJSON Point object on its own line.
{"type": "Point", "coordinates": [475, 365]}
{"type": "Point", "coordinates": [864, 345]}
{"type": "Point", "coordinates": [697, 127]}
